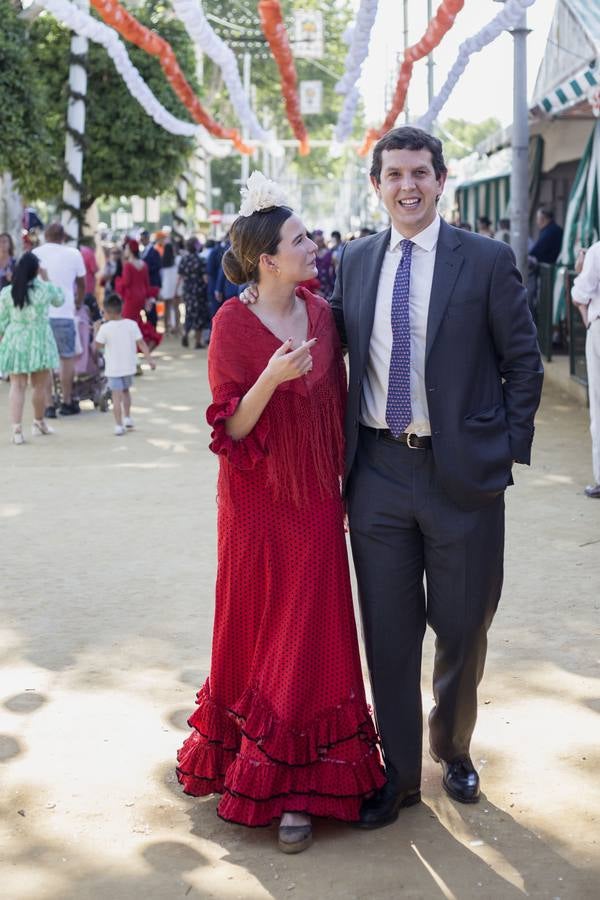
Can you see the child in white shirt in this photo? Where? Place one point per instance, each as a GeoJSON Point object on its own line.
{"type": "Point", "coordinates": [120, 339]}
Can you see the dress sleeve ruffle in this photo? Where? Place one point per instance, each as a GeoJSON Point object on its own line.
{"type": "Point", "coordinates": [246, 452]}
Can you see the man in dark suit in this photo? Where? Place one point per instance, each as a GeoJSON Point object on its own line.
{"type": "Point", "coordinates": [546, 248]}
{"type": "Point", "coordinates": [445, 379]}
{"type": "Point", "coordinates": [153, 260]}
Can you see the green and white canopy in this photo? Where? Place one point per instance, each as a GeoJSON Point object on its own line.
{"type": "Point", "coordinates": [570, 69]}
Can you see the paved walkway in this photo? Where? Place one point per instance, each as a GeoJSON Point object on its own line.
{"type": "Point", "coordinates": [108, 565]}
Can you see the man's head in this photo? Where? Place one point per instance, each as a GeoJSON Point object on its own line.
{"type": "Point", "coordinates": [408, 173]}
{"type": "Point", "coordinates": [544, 216]}
{"type": "Point", "coordinates": [504, 224]}
{"type": "Point", "coordinates": [144, 238]}
{"type": "Point", "coordinates": [484, 224]}
{"type": "Point", "coordinates": [55, 233]}
{"type": "Point", "coordinates": [112, 307]}
{"type": "Point", "coordinates": [336, 237]}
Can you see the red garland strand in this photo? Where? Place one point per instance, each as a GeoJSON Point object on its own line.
{"type": "Point", "coordinates": [128, 27]}
{"type": "Point", "coordinates": [271, 20]}
{"type": "Point", "coordinates": [440, 24]}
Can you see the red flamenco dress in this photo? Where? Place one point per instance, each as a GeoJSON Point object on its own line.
{"type": "Point", "coordinates": [134, 288]}
{"type": "Point", "coordinates": [282, 723]}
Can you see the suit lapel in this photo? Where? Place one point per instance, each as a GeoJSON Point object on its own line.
{"type": "Point", "coordinates": [371, 264]}
{"type": "Point", "coordinates": [448, 263]}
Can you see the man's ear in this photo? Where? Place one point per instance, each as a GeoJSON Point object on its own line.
{"type": "Point", "coordinates": [376, 185]}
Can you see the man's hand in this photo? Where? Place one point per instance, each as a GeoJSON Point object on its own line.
{"type": "Point", "coordinates": [249, 295]}
{"type": "Point", "coordinates": [287, 364]}
{"type": "Point", "coordinates": [43, 273]}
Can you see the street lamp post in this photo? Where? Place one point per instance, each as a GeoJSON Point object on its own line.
{"type": "Point", "coordinates": [519, 179]}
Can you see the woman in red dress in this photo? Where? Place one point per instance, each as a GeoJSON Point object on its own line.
{"type": "Point", "coordinates": [133, 286]}
{"type": "Point", "coordinates": [282, 729]}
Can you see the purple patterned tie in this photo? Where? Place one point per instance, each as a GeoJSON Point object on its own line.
{"type": "Point", "coordinates": [398, 412]}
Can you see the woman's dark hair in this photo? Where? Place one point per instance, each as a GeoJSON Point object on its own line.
{"type": "Point", "coordinates": [168, 258]}
{"type": "Point", "coordinates": [250, 237]}
{"type": "Point", "coordinates": [191, 245]}
{"type": "Point", "coordinates": [25, 271]}
{"type": "Point", "coordinates": [113, 303]}
{"type": "Point", "coordinates": [11, 246]}
{"type": "Point", "coordinates": [408, 138]}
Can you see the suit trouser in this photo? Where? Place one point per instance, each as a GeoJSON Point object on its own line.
{"type": "Point", "coordinates": [403, 527]}
{"type": "Point", "coordinates": [592, 358]}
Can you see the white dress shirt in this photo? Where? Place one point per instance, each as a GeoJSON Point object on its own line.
{"type": "Point", "coordinates": [375, 384]}
{"type": "Point", "coordinates": [586, 287]}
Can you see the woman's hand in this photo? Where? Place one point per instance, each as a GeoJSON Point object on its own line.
{"type": "Point", "coordinates": [287, 364]}
{"type": "Point", "coordinates": [249, 295]}
{"type": "Point", "coordinates": [43, 273]}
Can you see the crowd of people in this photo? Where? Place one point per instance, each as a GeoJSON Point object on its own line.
{"type": "Point", "coordinates": [56, 297]}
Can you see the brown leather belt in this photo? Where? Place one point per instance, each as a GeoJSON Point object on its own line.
{"type": "Point", "coordinates": [414, 441]}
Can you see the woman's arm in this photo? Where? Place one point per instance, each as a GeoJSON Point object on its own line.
{"type": "Point", "coordinates": [284, 365]}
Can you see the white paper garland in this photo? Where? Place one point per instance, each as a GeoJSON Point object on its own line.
{"type": "Point", "coordinates": [357, 53]}
{"type": "Point", "coordinates": [507, 18]}
{"type": "Point", "coordinates": [85, 25]}
{"type": "Point", "coordinates": [201, 32]}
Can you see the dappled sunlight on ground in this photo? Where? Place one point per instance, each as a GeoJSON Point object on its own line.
{"type": "Point", "coordinates": [106, 617]}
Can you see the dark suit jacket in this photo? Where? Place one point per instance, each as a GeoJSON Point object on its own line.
{"type": "Point", "coordinates": [547, 247]}
{"type": "Point", "coordinates": [153, 260]}
{"type": "Point", "coordinates": [483, 371]}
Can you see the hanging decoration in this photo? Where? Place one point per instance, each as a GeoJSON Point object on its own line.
{"type": "Point", "coordinates": [85, 25]}
{"type": "Point", "coordinates": [128, 27]}
{"type": "Point", "coordinates": [357, 53]}
{"type": "Point", "coordinates": [271, 20]}
{"type": "Point", "coordinates": [191, 13]}
{"type": "Point", "coordinates": [439, 25]}
{"type": "Point", "coordinates": [507, 18]}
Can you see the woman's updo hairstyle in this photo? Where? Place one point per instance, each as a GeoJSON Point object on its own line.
{"type": "Point", "coordinates": [250, 237]}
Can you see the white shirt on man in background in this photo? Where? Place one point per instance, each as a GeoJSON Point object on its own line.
{"type": "Point", "coordinates": [120, 337]}
{"type": "Point", "coordinates": [375, 384]}
{"type": "Point", "coordinates": [63, 265]}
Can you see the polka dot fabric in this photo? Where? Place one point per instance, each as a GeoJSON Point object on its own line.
{"type": "Point", "coordinates": [398, 413]}
{"type": "Point", "coordinates": [282, 722]}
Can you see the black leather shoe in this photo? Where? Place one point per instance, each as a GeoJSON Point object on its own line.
{"type": "Point", "coordinates": [50, 412]}
{"type": "Point", "coordinates": [384, 807]}
{"type": "Point", "coordinates": [459, 779]}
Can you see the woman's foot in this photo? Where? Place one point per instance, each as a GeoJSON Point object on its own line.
{"type": "Point", "coordinates": [17, 435]}
{"type": "Point", "coordinates": [295, 833]}
{"type": "Point", "coordinates": [40, 427]}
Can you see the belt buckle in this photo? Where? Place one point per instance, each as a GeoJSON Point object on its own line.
{"type": "Point", "coordinates": [408, 443]}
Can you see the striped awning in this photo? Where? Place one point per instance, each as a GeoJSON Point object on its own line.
{"type": "Point", "coordinates": [570, 92]}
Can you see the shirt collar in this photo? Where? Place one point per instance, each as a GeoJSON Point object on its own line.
{"type": "Point", "coordinates": [426, 239]}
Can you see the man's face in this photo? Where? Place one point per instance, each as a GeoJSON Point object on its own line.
{"type": "Point", "coordinates": [144, 240]}
{"type": "Point", "coordinates": [409, 189]}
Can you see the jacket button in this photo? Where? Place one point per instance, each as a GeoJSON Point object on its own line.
{"type": "Point", "coordinates": [431, 390]}
{"type": "Point", "coordinates": [437, 432]}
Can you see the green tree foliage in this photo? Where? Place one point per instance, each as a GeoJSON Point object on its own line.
{"type": "Point", "coordinates": [266, 84]}
{"type": "Point", "coordinates": [126, 152]}
{"type": "Point", "coordinates": [461, 137]}
{"type": "Point", "coordinates": [24, 140]}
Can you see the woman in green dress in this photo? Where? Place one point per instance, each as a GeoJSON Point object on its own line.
{"type": "Point", "coordinates": [27, 345]}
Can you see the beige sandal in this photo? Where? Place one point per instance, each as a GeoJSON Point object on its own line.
{"type": "Point", "coordinates": [17, 435]}
{"type": "Point", "coordinates": [40, 427]}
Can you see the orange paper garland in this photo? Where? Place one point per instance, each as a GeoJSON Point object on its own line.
{"type": "Point", "coordinates": [439, 25]}
{"type": "Point", "coordinates": [271, 20]}
{"type": "Point", "coordinates": [127, 26]}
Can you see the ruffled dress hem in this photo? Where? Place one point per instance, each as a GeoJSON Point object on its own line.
{"type": "Point", "coordinates": [263, 767]}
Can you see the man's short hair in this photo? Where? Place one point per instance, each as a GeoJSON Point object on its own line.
{"type": "Point", "coordinates": [113, 303]}
{"type": "Point", "coordinates": [55, 233]}
{"type": "Point", "coordinates": [408, 138]}
{"type": "Point", "coordinates": [546, 211]}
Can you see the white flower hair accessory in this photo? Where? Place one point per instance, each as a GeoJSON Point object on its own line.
{"type": "Point", "coordinates": [261, 193]}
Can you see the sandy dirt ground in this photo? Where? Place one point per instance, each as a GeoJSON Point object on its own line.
{"type": "Point", "coordinates": [108, 554]}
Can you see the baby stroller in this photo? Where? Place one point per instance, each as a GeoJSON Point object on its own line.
{"type": "Point", "coordinates": [90, 382]}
